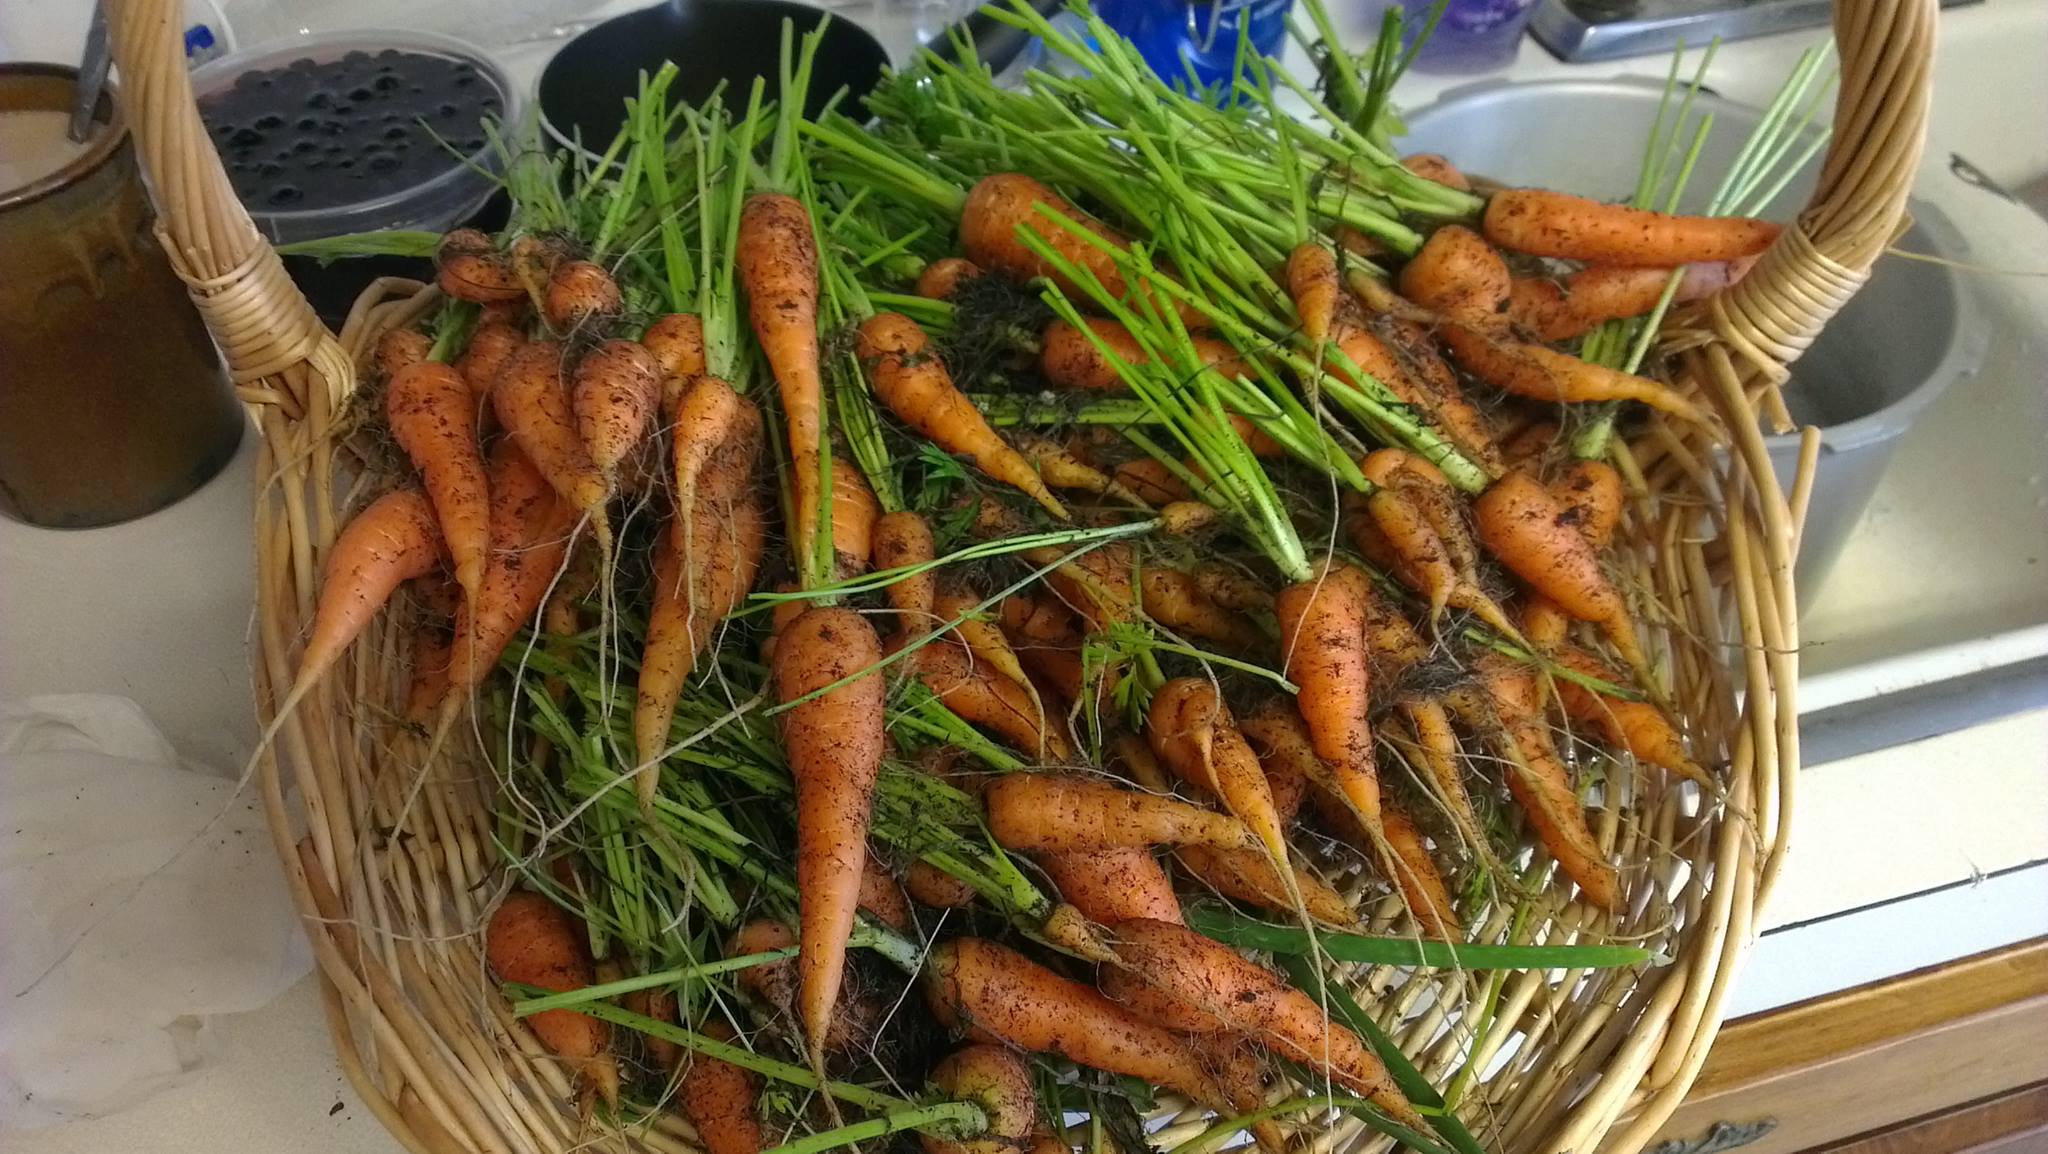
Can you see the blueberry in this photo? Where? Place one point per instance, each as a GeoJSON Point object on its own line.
{"type": "Point", "coordinates": [356, 57]}
{"type": "Point", "coordinates": [465, 79]}
{"type": "Point", "coordinates": [320, 98]}
{"type": "Point", "coordinates": [389, 54]}
{"type": "Point", "coordinates": [344, 109]}
{"type": "Point", "coordinates": [447, 110]}
{"type": "Point", "coordinates": [345, 162]}
{"type": "Point", "coordinates": [249, 80]}
{"type": "Point", "coordinates": [284, 194]}
{"type": "Point", "coordinates": [360, 93]}
{"type": "Point", "coordinates": [386, 83]}
{"type": "Point", "coordinates": [305, 146]}
{"type": "Point", "coordinates": [304, 64]}
{"type": "Point", "coordinates": [316, 164]}
{"type": "Point", "coordinates": [269, 168]}
{"type": "Point", "coordinates": [307, 123]}
{"type": "Point", "coordinates": [383, 162]}
{"type": "Point", "coordinates": [402, 146]}
{"type": "Point", "coordinates": [396, 132]}
{"type": "Point", "coordinates": [269, 120]}
{"type": "Point", "coordinates": [245, 138]}
{"type": "Point", "coordinates": [223, 130]}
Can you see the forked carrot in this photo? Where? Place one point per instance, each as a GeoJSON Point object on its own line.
{"type": "Point", "coordinates": [534, 409]}
{"type": "Point", "coordinates": [1506, 700]}
{"type": "Point", "coordinates": [1459, 276]}
{"type": "Point", "coordinates": [1524, 527]}
{"type": "Point", "coordinates": [998, 1081]}
{"type": "Point", "coordinates": [1192, 731]}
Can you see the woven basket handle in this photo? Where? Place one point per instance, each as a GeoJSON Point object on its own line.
{"type": "Point", "coordinates": [1859, 205]}
{"type": "Point", "coordinates": [260, 319]}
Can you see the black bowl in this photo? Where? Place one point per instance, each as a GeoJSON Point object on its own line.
{"type": "Point", "coordinates": [584, 89]}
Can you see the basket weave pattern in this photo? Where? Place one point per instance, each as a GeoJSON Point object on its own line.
{"type": "Point", "coordinates": [395, 870]}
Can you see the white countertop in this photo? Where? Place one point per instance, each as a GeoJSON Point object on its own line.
{"type": "Point", "coordinates": [76, 613]}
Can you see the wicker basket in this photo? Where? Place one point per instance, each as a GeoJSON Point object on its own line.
{"type": "Point", "coordinates": [394, 869]}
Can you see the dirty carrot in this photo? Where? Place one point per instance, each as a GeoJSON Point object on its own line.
{"type": "Point", "coordinates": [900, 540]}
{"type": "Point", "coordinates": [531, 941]}
{"type": "Point", "coordinates": [1059, 812]}
{"type": "Point", "coordinates": [908, 377]}
{"type": "Point", "coordinates": [1556, 224]}
{"type": "Point", "coordinates": [721, 1100]}
{"type": "Point", "coordinates": [392, 541]}
{"type": "Point", "coordinates": [1526, 529]}
{"type": "Point", "coordinates": [1191, 730]}
{"type": "Point", "coordinates": [1458, 276]}
{"type": "Point", "coordinates": [834, 736]}
{"type": "Point", "coordinates": [580, 293]}
{"type": "Point", "coordinates": [533, 407]}
{"type": "Point", "coordinates": [469, 267]}
{"type": "Point", "coordinates": [777, 262]}
{"type": "Point", "coordinates": [943, 277]}
{"type": "Point", "coordinates": [1544, 374]}
{"type": "Point", "coordinates": [616, 388]}
{"type": "Point", "coordinates": [432, 416]}
{"type": "Point", "coordinates": [1312, 282]}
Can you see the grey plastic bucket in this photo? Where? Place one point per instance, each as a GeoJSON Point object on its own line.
{"type": "Point", "coordinates": [1877, 366]}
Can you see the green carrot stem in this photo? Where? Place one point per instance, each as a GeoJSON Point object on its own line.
{"type": "Point", "coordinates": [949, 1120]}
{"type": "Point", "coordinates": [1251, 933]}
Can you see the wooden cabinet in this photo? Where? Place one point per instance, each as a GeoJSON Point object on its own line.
{"type": "Point", "coordinates": [1946, 1059]}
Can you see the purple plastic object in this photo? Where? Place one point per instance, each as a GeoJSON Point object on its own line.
{"type": "Point", "coordinates": [1473, 36]}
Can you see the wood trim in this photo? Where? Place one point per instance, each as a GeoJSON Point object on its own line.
{"type": "Point", "coordinates": [2002, 1123]}
{"type": "Point", "coordinates": [1856, 1062]}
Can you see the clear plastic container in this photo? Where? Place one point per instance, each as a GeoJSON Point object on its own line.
{"type": "Point", "coordinates": [437, 203]}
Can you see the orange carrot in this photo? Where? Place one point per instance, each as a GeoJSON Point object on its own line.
{"type": "Point", "coordinates": [1525, 528]}
{"type": "Point", "coordinates": [1280, 739]}
{"type": "Point", "coordinates": [1175, 599]}
{"type": "Point", "coordinates": [1006, 202]}
{"type": "Point", "coordinates": [1068, 359]}
{"type": "Point", "coordinates": [617, 386]}
{"type": "Point", "coordinates": [1555, 224]}
{"type": "Point", "coordinates": [1322, 629]}
{"type": "Point", "coordinates": [1638, 728]}
{"type": "Point", "coordinates": [392, 541]}
{"type": "Point", "coordinates": [469, 267]}
{"type": "Point", "coordinates": [835, 741]}
{"type": "Point", "coordinates": [1000, 1083]}
{"type": "Point", "coordinates": [1048, 641]}
{"type": "Point", "coordinates": [676, 342]}
{"type": "Point", "coordinates": [490, 346]}
{"type": "Point", "coordinates": [777, 260]}
{"type": "Point", "coordinates": [997, 994]}
{"type": "Point", "coordinates": [911, 380]}
{"type": "Point", "coordinates": [580, 293]}
{"type": "Point", "coordinates": [1312, 282]}
{"type": "Point", "coordinates": [722, 1101]}
{"type": "Point", "coordinates": [399, 349]}
{"type": "Point", "coordinates": [1249, 876]}
{"type": "Point", "coordinates": [1507, 698]}
{"type": "Point", "coordinates": [1418, 518]}
{"type": "Point", "coordinates": [533, 407]}
{"type": "Point", "coordinates": [433, 418]}
{"type": "Point", "coordinates": [1422, 887]}
{"type": "Point", "coordinates": [983, 696]}
{"type": "Point", "coordinates": [1060, 468]}
{"type": "Point", "coordinates": [854, 511]}
{"type": "Point", "coordinates": [1544, 374]}
{"type": "Point", "coordinates": [531, 941]}
{"type": "Point", "coordinates": [1431, 166]}
{"type": "Point", "coordinates": [659, 1004]}
{"type": "Point", "coordinates": [943, 277]}
{"type": "Point", "coordinates": [1151, 480]}
{"type": "Point", "coordinates": [711, 422]}
{"type": "Point", "coordinates": [982, 636]}
{"type": "Point", "coordinates": [900, 539]}
{"type": "Point", "coordinates": [1191, 730]}
{"type": "Point", "coordinates": [929, 885]}
{"type": "Point", "coordinates": [1592, 495]}
{"type": "Point", "coordinates": [1458, 276]}
{"type": "Point", "coordinates": [1054, 813]}
{"type": "Point", "coordinates": [1532, 442]}
{"type": "Point", "coordinates": [774, 985]}
{"type": "Point", "coordinates": [701, 573]}
{"type": "Point", "coordinates": [433, 649]}
{"type": "Point", "coordinates": [1212, 977]}
{"type": "Point", "coordinates": [882, 898]}
{"type": "Point", "coordinates": [529, 544]}
{"type": "Point", "coordinates": [1112, 884]}
{"type": "Point", "coordinates": [1229, 588]}
{"type": "Point", "coordinates": [1419, 376]}
{"type": "Point", "coordinates": [1553, 311]}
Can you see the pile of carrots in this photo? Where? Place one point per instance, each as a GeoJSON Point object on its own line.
{"type": "Point", "coordinates": [1134, 710]}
